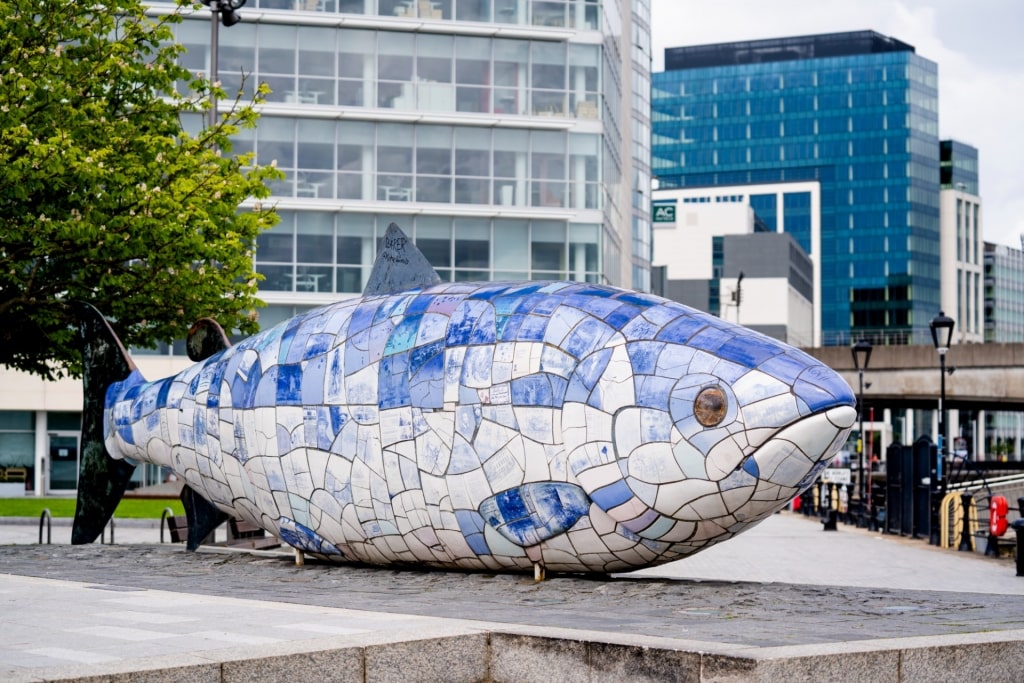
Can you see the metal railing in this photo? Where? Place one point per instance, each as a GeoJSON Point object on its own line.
{"type": "Point", "coordinates": [168, 512]}
{"type": "Point", "coordinates": [103, 534]}
{"type": "Point", "coordinates": [45, 516]}
{"type": "Point", "coordinates": [971, 498]}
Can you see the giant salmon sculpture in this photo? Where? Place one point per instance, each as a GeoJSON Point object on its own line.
{"type": "Point", "coordinates": [502, 426]}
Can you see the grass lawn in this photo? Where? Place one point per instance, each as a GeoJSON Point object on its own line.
{"type": "Point", "coordinates": [129, 508]}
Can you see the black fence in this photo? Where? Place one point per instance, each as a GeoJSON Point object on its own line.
{"type": "Point", "coordinates": [910, 474]}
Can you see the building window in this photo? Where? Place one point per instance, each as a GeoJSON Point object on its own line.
{"type": "Point", "coordinates": [315, 251]}
{"type": "Point", "coordinates": [17, 439]}
{"type": "Point", "coordinates": [314, 65]}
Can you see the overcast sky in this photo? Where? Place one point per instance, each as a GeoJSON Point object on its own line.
{"type": "Point", "coordinates": [978, 46]}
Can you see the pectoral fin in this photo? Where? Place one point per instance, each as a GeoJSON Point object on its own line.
{"type": "Point", "coordinates": [203, 517]}
{"type": "Point", "coordinates": [529, 514]}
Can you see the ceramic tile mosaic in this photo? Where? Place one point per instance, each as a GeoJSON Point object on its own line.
{"type": "Point", "coordinates": [494, 426]}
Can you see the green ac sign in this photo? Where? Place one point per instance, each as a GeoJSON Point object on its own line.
{"type": "Point", "coordinates": [664, 212]}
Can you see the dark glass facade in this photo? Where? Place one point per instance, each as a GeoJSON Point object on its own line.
{"type": "Point", "coordinates": [856, 112]}
{"type": "Point", "coordinates": [958, 167]}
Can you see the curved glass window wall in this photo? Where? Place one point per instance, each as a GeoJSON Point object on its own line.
{"type": "Point", "coordinates": [582, 15]}
{"type": "Point", "coordinates": [422, 72]}
{"type": "Point", "coordinates": [312, 251]}
{"type": "Point", "coordinates": [372, 161]}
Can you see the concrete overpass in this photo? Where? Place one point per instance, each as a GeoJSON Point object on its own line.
{"type": "Point", "coordinates": [986, 376]}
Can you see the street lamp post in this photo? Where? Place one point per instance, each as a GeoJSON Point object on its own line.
{"type": "Point", "coordinates": [861, 352]}
{"type": "Point", "coordinates": [941, 327]}
{"type": "Point", "coordinates": [224, 10]}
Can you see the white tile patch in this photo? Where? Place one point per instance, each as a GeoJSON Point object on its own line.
{"type": "Point", "coordinates": [146, 617]}
{"type": "Point", "coordinates": [70, 655]}
{"type": "Point", "coordinates": [325, 628]}
{"type": "Point", "coordinates": [239, 638]}
{"type": "Point", "coordinates": [134, 634]}
{"type": "Point", "coordinates": [155, 600]}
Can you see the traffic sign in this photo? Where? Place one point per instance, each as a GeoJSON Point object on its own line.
{"type": "Point", "coordinates": [836, 476]}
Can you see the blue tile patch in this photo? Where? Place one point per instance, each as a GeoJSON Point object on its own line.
{"type": "Point", "coordinates": [530, 514]}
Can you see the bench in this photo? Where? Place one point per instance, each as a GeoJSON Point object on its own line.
{"type": "Point", "coordinates": [14, 475]}
{"type": "Point", "coordinates": [243, 534]}
{"type": "Point", "coordinates": [177, 526]}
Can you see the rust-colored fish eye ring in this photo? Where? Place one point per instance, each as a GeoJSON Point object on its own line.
{"type": "Point", "coordinates": [710, 406]}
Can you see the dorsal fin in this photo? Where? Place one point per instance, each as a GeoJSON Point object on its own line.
{"type": "Point", "coordinates": [399, 266]}
{"type": "Point", "coordinates": [206, 338]}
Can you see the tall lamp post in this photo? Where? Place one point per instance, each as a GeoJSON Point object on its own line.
{"type": "Point", "coordinates": [941, 327]}
{"type": "Point", "coordinates": [861, 352]}
{"type": "Point", "coordinates": [224, 10]}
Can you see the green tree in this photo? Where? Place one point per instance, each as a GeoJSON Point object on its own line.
{"type": "Point", "coordinates": [105, 194]}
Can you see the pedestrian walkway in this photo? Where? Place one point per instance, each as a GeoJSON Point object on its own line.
{"type": "Point", "coordinates": [782, 599]}
{"type": "Point", "coordinates": [788, 548]}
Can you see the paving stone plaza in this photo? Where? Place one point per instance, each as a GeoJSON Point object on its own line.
{"type": "Point", "coordinates": [787, 600]}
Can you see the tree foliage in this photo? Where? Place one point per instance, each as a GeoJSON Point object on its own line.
{"type": "Point", "coordinates": [105, 196]}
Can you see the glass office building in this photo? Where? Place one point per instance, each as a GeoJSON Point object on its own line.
{"type": "Point", "coordinates": [856, 113]}
{"type": "Point", "coordinates": [639, 132]}
{"type": "Point", "coordinates": [1004, 293]}
{"type": "Point", "coordinates": [494, 132]}
{"type": "Point", "coordinates": [1004, 323]}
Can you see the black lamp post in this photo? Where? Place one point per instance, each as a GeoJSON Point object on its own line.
{"type": "Point", "coordinates": [861, 352]}
{"type": "Point", "coordinates": [224, 10]}
{"type": "Point", "coordinates": [941, 327]}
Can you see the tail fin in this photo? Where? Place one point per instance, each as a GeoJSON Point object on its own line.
{"type": "Point", "coordinates": [102, 480]}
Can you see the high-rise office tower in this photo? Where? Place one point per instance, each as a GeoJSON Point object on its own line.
{"type": "Point", "coordinates": [854, 114]}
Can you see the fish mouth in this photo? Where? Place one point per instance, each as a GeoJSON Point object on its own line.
{"type": "Point", "coordinates": [794, 456]}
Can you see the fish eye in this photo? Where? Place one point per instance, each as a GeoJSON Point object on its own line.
{"type": "Point", "coordinates": [710, 406]}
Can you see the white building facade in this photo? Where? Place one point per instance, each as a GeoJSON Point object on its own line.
{"type": "Point", "coordinates": [963, 263]}
{"type": "Point", "coordinates": [719, 257]}
{"type": "Point", "coordinates": [685, 249]}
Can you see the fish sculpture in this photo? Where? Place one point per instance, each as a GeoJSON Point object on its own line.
{"type": "Point", "coordinates": [517, 426]}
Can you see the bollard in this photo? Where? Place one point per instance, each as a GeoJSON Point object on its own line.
{"type": "Point", "coordinates": [966, 501]}
{"type": "Point", "coordinates": [992, 546]}
{"type": "Point", "coordinates": [1018, 527]}
{"type": "Point", "coordinates": [807, 502]}
{"type": "Point", "coordinates": [829, 522]}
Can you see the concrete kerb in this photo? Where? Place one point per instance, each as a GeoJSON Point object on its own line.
{"type": "Point", "coordinates": [471, 652]}
{"type": "Point", "coordinates": [446, 652]}
{"type": "Point", "coordinates": [563, 655]}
